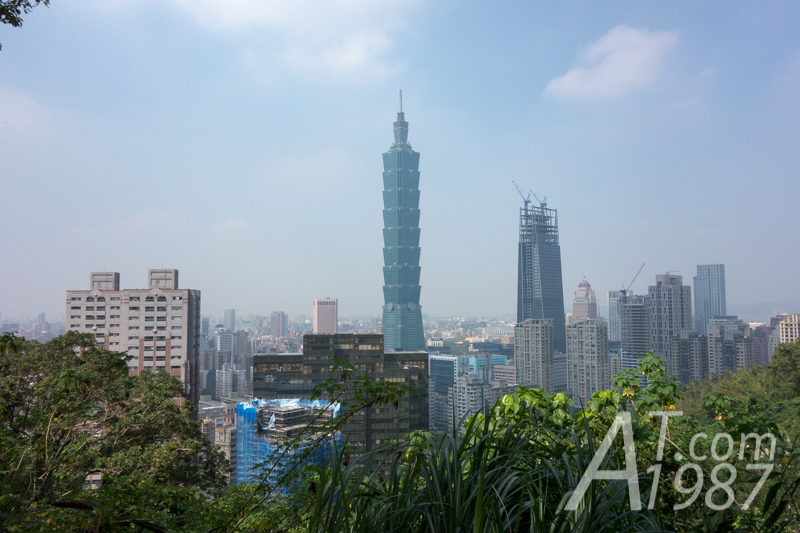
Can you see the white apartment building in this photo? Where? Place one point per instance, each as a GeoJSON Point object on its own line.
{"type": "Point", "coordinates": [789, 328]}
{"type": "Point", "coordinates": [587, 359]}
{"type": "Point", "coordinates": [470, 393]}
{"type": "Point", "coordinates": [533, 354]}
{"type": "Point", "coordinates": [326, 316]}
{"type": "Point", "coordinates": [158, 326]}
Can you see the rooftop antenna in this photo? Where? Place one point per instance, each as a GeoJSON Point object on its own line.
{"type": "Point", "coordinates": [401, 100]}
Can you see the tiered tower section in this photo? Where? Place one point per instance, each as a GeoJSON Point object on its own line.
{"type": "Point", "coordinates": [402, 315]}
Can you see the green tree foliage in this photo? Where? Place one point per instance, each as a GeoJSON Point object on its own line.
{"type": "Point", "coordinates": [772, 391]}
{"type": "Point", "coordinates": [69, 409]}
{"type": "Point", "coordinates": [11, 11]}
{"type": "Point", "coordinates": [756, 400]}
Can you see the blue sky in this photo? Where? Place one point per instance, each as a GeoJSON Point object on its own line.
{"type": "Point", "coordinates": [240, 142]}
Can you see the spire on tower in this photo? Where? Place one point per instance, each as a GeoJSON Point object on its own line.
{"type": "Point", "coordinates": [401, 126]}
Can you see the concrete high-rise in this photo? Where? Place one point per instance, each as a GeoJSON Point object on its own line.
{"type": "Point", "coordinates": [559, 372]}
{"type": "Point", "coordinates": [533, 354]}
{"type": "Point", "coordinates": [760, 335]}
{"type": "Point", "coordinates": [690, 349]}
{"type": "Point", "coordinates": [584, 303]}
{"type": "Point", "coordinates": [670, 313]}
{"type": "Point", "coordinates": [709, 295]}
{"type": "Point", "coordinates": [614, 313]}
{"type": "Point", "coordinates": [159, 327]}
{"type": "Point", "coordinates": [730, 345]}
{"type": "Point", "coordinates": [326, 316]}
{"type": "Point", "coordinates": [278, 324]}
{"type": "Point", "coordinates": [540, 292]}
{"type": "Point", "coordinates": [587, 359]}
{"type": "Point", "coordinates": [634, 327]}
{"type": "Point", "coordinates": [470, 394]}
{"type": "Point", "coordinates": [230, 319]}
{"type": "Point", "coordinates": [402, 314]}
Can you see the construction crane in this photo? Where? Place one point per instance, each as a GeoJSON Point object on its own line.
{"type": "Point", "coordinates": [524, 199]}
{"type": "Point", "coordinates": [542, 203]}
{"type": "Point", "coordinates": [625, 291]}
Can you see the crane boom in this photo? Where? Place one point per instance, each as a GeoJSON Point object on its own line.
{"type": "Point", "coordinates": [542, 203]}
{"type": "Point", "coordinates": [625, 290]}
{"type": "Point", "coordinates": [526, 200]}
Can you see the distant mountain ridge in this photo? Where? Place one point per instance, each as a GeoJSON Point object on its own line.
{"type": "Point", "coordinates": [763, 311]}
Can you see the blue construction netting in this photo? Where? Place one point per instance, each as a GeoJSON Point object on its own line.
{"type": "Point", "coordinates": [253, 449]}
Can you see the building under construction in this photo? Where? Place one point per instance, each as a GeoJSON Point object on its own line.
{"type": "Point", "coordinates": [268, 429]}
{"type": "Point", "coordinates": [540, 293]}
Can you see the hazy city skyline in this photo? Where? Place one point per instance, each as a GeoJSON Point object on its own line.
{"type": "Point", "coordinates": [662, 135]}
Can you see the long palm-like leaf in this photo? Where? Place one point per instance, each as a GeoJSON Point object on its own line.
{"type": "Point", "coordinates": [476, 480]}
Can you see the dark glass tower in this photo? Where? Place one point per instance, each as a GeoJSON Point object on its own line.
{"type": "Point", "coordinates": [402, 315]}
{"type": "Point", "coordinates": [540, 293]}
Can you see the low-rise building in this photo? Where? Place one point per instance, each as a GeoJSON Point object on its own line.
{"type": "Point", "coordinates": [507, 373]}
{"type": "Point", "coordinates": [225, 440]}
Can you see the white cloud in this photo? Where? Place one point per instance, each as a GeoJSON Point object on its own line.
{"type": "Point", "coordinates": [342, 39]}
{"type": "Point", "coordinates": [620, 61]}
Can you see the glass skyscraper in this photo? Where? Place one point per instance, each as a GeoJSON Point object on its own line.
{"type": "Point", "coordinates": [709, 295]}
{"type": "Point", "coordinates": [402, 315]}
{"type": "Point", "coordinates": [540, 293]}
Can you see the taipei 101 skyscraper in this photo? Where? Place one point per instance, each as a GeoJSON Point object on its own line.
{"type": "Point", "coordinates": [402, 315]}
